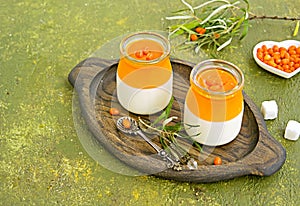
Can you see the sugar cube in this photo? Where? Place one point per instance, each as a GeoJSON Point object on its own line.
{"type": "Point", "coordinates": [269, 109]}
{"type": "Point", "coordinates": [292, 130]}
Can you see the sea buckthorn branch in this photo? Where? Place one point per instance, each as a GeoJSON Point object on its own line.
{"type": "Point", "coordinates": [168, 132]}
{"type": "Point", "coordinates": [215, 23]}
{"type": "Point", "coordinates": [253, 16]}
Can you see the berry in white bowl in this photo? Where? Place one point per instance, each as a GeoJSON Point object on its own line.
{"type": "Point", "coordinates": [281, 58]}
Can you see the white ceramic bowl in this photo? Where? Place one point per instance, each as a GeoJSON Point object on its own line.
{"type": "Point", "coordinates": [286, 44]}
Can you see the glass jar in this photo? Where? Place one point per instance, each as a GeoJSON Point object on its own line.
{"type": "Point", "coordinates": [144, 75]}
{"type": "Point", "coordinates": [214, 105]}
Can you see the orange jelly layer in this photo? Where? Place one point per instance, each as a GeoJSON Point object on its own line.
{"type": "Point", "coordinates": [143, 74]}
{"type": "Point", "coordinates": [213, 107]}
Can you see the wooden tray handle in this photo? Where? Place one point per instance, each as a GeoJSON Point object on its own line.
{"type": "Point", "coordinates": [88, 68]}
{"type": "Point", "coordinates": [269, 155]}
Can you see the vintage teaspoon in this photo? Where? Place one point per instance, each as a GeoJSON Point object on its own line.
{"type": "Point", "coordinates": [135, 130]}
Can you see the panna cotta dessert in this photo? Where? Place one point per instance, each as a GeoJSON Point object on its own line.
{"type": "Point", "coordinates": [144, 75]}
{"type": "Point", "coordinates": [213, 110]}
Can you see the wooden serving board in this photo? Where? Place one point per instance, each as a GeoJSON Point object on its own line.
{"type": "Point", "coordinates": [253, 152]}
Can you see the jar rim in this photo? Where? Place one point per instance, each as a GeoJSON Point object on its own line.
{"type": "Point", "coordinates": [214, 64]}
{"type": "Point", "coordinates": [163, 41]}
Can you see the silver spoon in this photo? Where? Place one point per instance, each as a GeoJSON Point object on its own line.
{"type": "Point", "coordinates": [135, 130]}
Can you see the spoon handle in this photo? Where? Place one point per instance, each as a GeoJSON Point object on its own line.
{"type": "Point", "coordinates": [157, 148]}
{"type": "Point", "coordinates": [161, 152]}
{"type": "Point", "coordinates": [170, 162]}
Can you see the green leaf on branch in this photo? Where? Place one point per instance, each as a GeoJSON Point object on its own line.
{"type": "Point", "coordinates": [221, 19]}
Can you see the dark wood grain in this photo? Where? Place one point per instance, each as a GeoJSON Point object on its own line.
{"type": "Point", "coordinates": [253, 152]}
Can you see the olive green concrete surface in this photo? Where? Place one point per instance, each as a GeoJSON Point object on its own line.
{"type": "Point", "coordinates": [42, 161]}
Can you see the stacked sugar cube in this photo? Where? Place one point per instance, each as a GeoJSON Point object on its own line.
{"type": "Point", "coordinates": [269, 110]}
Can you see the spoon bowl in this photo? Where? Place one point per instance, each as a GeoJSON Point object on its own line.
{"type": "Point", "coordinates": [133, 129]}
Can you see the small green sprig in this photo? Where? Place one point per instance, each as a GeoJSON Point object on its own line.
{"type": "Point", "coordinates": [222, 20]}
{"type": "Point", "coordinates": [169, 130]}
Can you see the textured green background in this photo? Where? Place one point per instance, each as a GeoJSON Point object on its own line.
{"type": "Point", "coordinates": [42, 161]}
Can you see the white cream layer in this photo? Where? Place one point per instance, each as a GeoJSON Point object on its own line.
{"type": "Point", "coordinates": [144, 101]}
{"type": "Point", "coordinates": [212, 133]}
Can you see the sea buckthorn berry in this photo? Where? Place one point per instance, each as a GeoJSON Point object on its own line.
{"type": "Point", "coordinates": [275, 48]}
{"type": "Point", "coordinates": [217, 161]}
{"type": "Point", "coordinates": [276, 55]}
{"type": "Point", "coordinates": [282, 49]}
{"type": "Point", "coordinates": [270, 52]}
{"type": "Point", "coordinates": [264, 48]}
{"type": "Point", "coordinates": [114, 111]}
{"type": "Point", "coordinates": [126, 123]}
{"type": "Point", "coordinates": [292, 47]}
{"type": "Point", "coordinates": [278, 61]}
{"type": "Point", "coordinates": [215, 87]}
{"type": "Point", "coordinates": [200, 30]}
{"type": "Point", "coordinates": [272, 63]}
{"type": "Point", "coordinates": [292, 52]}
{"type": "Point", "coordinates": [259, 50]}
{"type": "Point", "coordinates": [267, 57]}
{"type": "Point", "coordinates": [217, 35]}
{"type": "Point", "coordinates": [282, 53]}
{"type": "Point", "coordinates": [260, 56]}
{"type": "Point", "coordinates": [203, 31]}
{"type": "Point", "coordinates": [139, 54]}
{"type": "Point", "coordinates": [285, 61]}
{"type": "Point", "coordinates": [286, 67]}
{"type": "Point", "coordinates": [146, 51]}
{"type": "Point", "coordinates": [287, 55]}
{"type": "Point", "coordinates": [150, 56]}
{"type": "Point", "coordinates": [194, 37]}
{"type": "Point", "coordinates": [294, 57]}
